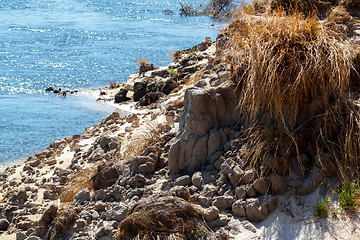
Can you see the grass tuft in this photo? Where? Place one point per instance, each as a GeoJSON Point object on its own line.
{"type": "Point", "coordinates": [349, 195]}
{"type": "Point", "coordinates": [321, 208]}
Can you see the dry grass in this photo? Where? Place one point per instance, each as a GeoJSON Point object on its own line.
{"type": "Point", "coordinates": [339, 15]}
{"type": "Point", "coordinates": [148, 135]}
{"type": "Point", "coordinates": [287, 67]}
{"type": "Point", "coordinates": [304, 6]}
{"type": "Point", "coordinates": [84, 179]}
{"type": "Point", "coordinates": [338, 135]}
{"type": "Point", "coordinates": [168, 218]}
{"type": "Point", "coordinates": [142, 61]}
{"type": "Point", "coordinates": [62, 222]}
{"type": "Point", "coordinates": [295, 79]}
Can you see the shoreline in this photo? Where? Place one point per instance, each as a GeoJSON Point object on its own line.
{"type": "Point", "coordinates": [88, 185]}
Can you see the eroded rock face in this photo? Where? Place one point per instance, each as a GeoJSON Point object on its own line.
{"type": "Point", "coordinates": [206, 112]}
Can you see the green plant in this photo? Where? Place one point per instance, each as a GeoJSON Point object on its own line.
{"type": "Point", "coordinates": [321, 208]}
{"type": "Point", "coordinates": [173, 72]}
{"type": "Point", "coordinates": [349, 194]}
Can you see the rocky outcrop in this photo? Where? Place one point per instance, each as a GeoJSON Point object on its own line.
{"type": "Point", "coordinates": [201, 135]}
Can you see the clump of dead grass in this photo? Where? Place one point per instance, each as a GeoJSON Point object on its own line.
{"type": "Point", "coordinates": [304, 6]}
{"type": "Point", "coordinates": [339, 15]}
{"type": "Point", "coordinates": [149, 134]}
{"type": "Point", "coordinates": [63, 221]}
{"type": "Point", "coordinates": [83, 179]}
{"type": "Point", "coordinates": [168, 218]}
{"type": "Point", "coordinates": [287, 67]}
{"type": "Point", "coordinates": [338, 135]}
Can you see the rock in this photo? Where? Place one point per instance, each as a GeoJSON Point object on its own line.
{"type": "Point", "coordinates": [139, 90]}
{"type": "Point", "coordinates": [81, 223]}
{"type": "Point", "coordinates": [121, 96]}
{"type": "Point", "coordinates": [261, 185]}
{"type": "Point", "coordinates": [4, 224]}
{"type": "Point", "coordinates": [249, 176]}
{"type": "Point", "coordinates": [150, 97]}
{"type": "Point", "coordinates": [49, 214]}
{"type": "Point", "coordinates": [100, 195]}
{"type": "Point", "coordinates": [20, 236]}
{"type": "Point", "coordinates": [255, 212]}
{"type": "Point", "coordinates": [278, 185]}
{"type": "Point", "coordinates": [204, 109]}
{"type": "Point", "coordinates": [107, 174]}
{"type": "Point", "coordinates": [182, 181]}
{"type": "Point", "coordinates": [99, 206]}
{"type": "Point", "coordinates": [223, 202]}
{"type": "Point", "coordinates": [211, 213]}
{"type": "Point", "coordinates": [22, 195]}
{"type": "Point", "coordinates": [137, 181]}
{"type": "Point", "coordinates": [180, 191]}
{"type": "Point", "coordinates": [222, 220]}
{"type": "Point", "coordinates": [169, 86]}
{"type": "Point", "coordinates": [82, 196]}
{"type": "Point", "coordinates": [121, 213]}
{"type": "Point", "coordinates": [197, 180]}
{"type": "Point", "coordinates": [205, 201]}
{"type": "Point", "coordinates": [238, 208]}
{"type": "Point", "coordinates": [240, 192]}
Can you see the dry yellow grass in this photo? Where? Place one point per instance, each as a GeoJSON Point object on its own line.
{"type": "Point", "coordinates": [287, 67]}
{"type": "Point", "coordinates": [81, 180]}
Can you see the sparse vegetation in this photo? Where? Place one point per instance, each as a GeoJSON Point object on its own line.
{"type": "Point", "coordinates": [349, 196]}
{"type": "Point", "coordinates": [321, 208]}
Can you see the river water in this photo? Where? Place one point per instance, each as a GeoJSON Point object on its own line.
{"type": "Point", "coordinates": [78, 44]}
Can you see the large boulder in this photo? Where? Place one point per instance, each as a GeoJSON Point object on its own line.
{"type": "Point", "coordinates": [205, 111]}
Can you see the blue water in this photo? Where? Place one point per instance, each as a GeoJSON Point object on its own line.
{"type": "Point", "coordinates": [77, 44]}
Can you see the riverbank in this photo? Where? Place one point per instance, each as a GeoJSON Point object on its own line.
{"type": "Point", "coordinates": [185, 161]}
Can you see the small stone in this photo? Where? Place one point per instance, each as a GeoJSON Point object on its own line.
{"type": "Point", "coordinates": [82, 196]}
{"type": "Point", "coordinates": [238, 208]}
{"type": "Point", "coordinates": [197, 179]}
{"type": "Point", "coordinates": [20, 236]}
{"type": "Point", "coordinates": [249, 176]}
{"type": "Point", "coordinates": [223, 202]}
{"type": "Point", "coordinates": [240, 192]}
{"type": "Point", "coordinates": [80, 223]}
{"type": "Point", "coordinates": [100, 206]}
{"type": "Point", "coordinates": [182, 181]}
{"type": "Point", "coordinates": [211, 213]}
{"type": "Point", "coordinates": [4, 224]}
{"type": "Point", "coordinates": [22, 195]}
{"type": "Point", "coordinates": [261, 185]}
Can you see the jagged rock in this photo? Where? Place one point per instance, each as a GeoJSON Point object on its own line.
{"type": "Point", "coordinates": [4, 224]}
{"type": "Point", "coordinates": [100, 195]}
{"type": "Point", "coordinates": [211, 213]}
{"type": "Point", "coordinates": [205, 201]}
{"type": "Point", "coordinates": [48, 215]}
{"type": "Point", "coordinates": [150, 97]}
{"type": "Point", "coordinates": [145, 67]}
{"type": "Point", "coordinates": [278, 185]}
{"type": "Point", "coordinates": [100, 206]}
{"type": "Point", "coordinates": [197, 180]}
{"type": "Point", "coordinates": [82, 196]}
{"type": "Point", "coordinates": [146, 163]}
{"type": "Point", "coordinates": [204, 109]}
{"type": "Point", "coordinates": [121, 96]}
{"type": "Point", "coordinates": [107, 174]}
{"type": "Point", "coordinates": [182, 181]}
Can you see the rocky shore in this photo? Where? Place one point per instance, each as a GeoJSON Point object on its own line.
{"type": "Point", "coordinates": [167, 161]}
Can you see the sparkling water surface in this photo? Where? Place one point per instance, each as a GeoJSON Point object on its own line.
{"type": "Point", "coordinates": [78, 44]}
